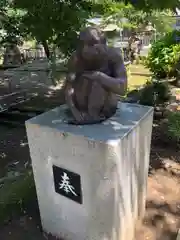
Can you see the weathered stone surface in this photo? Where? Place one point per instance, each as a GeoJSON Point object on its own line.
{"type": "Point", "coordinates": [112, 159]}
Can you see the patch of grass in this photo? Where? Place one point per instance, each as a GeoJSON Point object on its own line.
{"type": "Point", "coordinates": [134, 82]}
{"type": "Point", "coordinates": [16, 196]}
{"type": "Point", "coordinates": [139, 68]}
{"type": "Point", "coordinates": [138, 77]}
{"type": "Point", "coordinates": [174, 125]}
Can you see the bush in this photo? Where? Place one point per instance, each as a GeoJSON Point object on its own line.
{"type": "Point", "coordinates": [164, 55]}
{"type": "Point", "coordinates": [174, 125]}
{"type": "Point", "coordinates": [154, 93]}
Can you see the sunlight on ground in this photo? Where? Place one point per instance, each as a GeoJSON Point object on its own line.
{"type": "Point", "coordinates": [138, 77]}
{"type": "Point", "coordinates": [136, 81]}
{"type": "Point", "coordinates": [139, 68]}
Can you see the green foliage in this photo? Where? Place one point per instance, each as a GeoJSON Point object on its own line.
{"type": "Point", "coordinates": [136, 18]}
{"type": "Point", "coordinates": [11, 24]}
{"type": "Point", "coordinates": [146, 4]}
{"type": "Point", "coordinates": [154, 93]}
{"type": "Point", "coordinates": [164, 55]}
{"type": "Point", "coordinates": [174, 125]}
{"type": "Point", "coordinates": [56, 22]}
{"type": "Point", "coordinates": [118, 14]}
{"type": "Point", "coordinates": [161, 19]}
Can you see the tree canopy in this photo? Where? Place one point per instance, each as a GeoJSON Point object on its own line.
{"type": "Point", "coordinates": [146, 5]}
{"type": "Point", "coordinates": [57, 21]}
{"type": "Point", "coordinates": [128, 16]}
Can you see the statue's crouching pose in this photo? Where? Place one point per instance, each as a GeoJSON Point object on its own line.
{"type": "Point", "coordinates": [96, 76]}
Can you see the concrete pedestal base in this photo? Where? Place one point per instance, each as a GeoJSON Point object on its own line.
{"type": "Point", "coordinates": [91, 180]}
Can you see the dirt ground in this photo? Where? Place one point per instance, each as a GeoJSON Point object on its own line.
{"type": "Point", "coordinates": [162, 218]}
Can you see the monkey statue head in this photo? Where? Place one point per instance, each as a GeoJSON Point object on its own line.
{"type": "Point", "coordinates": [92, 48]}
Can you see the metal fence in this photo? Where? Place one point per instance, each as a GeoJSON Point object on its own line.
{"type": "Point", "coordinates": [39, 53]}
{"type": "Point", "coordinates": [33, 53]}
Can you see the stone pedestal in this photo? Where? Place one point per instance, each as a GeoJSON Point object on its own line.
{"type": "Point", "coordinates": [91, 180]}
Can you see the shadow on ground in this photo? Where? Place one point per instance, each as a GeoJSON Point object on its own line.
{"type": "Point", "coordinates": [162, 219]}
{"type": "Point", "coordinates": [13, 141]}
{"type": "Point", "coordinates": [141, 74]}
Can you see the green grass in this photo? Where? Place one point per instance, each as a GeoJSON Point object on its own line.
{"type": "Point", "coordinates": [138, 76]}
{"type": "Point", "coordinates": [16, 195]}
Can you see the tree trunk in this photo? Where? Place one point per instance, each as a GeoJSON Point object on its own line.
{"type": "Point", "coordinates": [46, 48]}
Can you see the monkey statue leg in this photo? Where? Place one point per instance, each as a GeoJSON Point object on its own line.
{"type": "Point", "coordinates": [96, 100]}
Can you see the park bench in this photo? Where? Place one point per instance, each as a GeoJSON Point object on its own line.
{"type": "Point", "coordinates": [9, 100]}
{"type": "Point", "coordinates": [9, 108]}
{"type": "Point", "coordinates": [6, 67]}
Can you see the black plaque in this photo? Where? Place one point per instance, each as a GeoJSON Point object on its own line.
{"type": "Point", "coordinates": [68, 184]}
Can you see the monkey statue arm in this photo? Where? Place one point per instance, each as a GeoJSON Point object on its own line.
{"type": "Point", "coordinates": [69, 92]}
{"type": "Point", "coordinates": [72, 64]}
{"type": "Point", "coordinates": [116, 84]}
{"type": "Point", "coordinates": [69, 89]}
